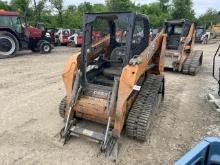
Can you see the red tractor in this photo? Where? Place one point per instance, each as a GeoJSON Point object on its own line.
{"type": "Point", "coordinates": [15, 37]}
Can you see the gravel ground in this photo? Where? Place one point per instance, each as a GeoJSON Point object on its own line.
{"type": "Point", "coordinates": [31, 89]}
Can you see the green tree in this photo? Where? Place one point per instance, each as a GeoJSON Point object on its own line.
{"type": "Point", "coordinates": [155, 13]}
{"type": "Point", "coordinates": [211, 16]}
{"type": "Point", "coordinates": [85, 7]}
{"type": "Point", "coordinates": [99, 8]}
{"type": "Point", "coordinates": [183, 9]}
{"type": "Point", "coordinates": [22, 7]}
{"type": "Point", "coordinates": [71, 8]}
{"type": "Point", "coordinates": [58, 5]}
{"type": "Point", "coordinates": [119, 5]}
{"type": "Point", "coordinates": [4, 5]}
{"type": "Point", "coordinates": [71, 17]}
{"type": "Point", "coordinates": [164, 5]}
{"type": "Point", "coordinates": [39, 7]}
{"type": "Point", "coordinates": [54, 14]}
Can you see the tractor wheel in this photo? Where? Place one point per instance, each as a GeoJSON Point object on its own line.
{"type": "Point", "coordinates": [45, 47]}
{"type": "Point", "coordinates": [62, 107]}
{"type": "Point", "coordinates": [9, 45]}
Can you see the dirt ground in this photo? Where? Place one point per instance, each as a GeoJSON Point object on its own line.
{"type": "Point", "coordinates": [31, 89]}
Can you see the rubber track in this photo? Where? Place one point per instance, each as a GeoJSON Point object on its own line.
{"type": "Point", "coordinates": [196, 63]}
{"type": "Point", "coordinates": [62, 107]}
{"type": "Point", "coordinates": [139, 117]}
{"type": "Point", "coordinates": [192, 63]}
{"type": "Point", "coordinates": [187, 63]}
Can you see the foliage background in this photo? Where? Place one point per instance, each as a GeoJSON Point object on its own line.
{"type": "Point", "coordinates": [54, 14]}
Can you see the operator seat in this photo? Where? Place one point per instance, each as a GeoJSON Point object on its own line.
{"type": "Point", "coordinates": [116, 62]}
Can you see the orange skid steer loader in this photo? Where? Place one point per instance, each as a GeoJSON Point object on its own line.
{"type": "Point", "coordinates": [117, 81]}
{"type": "Point", "coordinates": [179, 54]}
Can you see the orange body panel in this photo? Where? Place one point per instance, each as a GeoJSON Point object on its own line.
{"type": "Point", "coordinates": [188, 45]}
{"type": "Point", "coordinates": [97, 107]}
{"type": "Point", "coordinates": [131, 74]}
{"type": "Point", "coordinates": [70, 69]}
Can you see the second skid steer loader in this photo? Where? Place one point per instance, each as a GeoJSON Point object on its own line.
{"type": "Point", "coordinates": [116, 81]}
{"type": "Point", "coordinates": [179, 54]}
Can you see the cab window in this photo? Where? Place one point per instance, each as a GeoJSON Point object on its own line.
{"type": "Point", "coordinates": [5, 20]}
{"type": "Point", "coordinates": [11, 21]}
{"type": "Point", "coordinates": [16, 23]}
{"type": "Point", "coordinates": [178, 30]}
{"type": "Point", "coordinates": [140, 36]}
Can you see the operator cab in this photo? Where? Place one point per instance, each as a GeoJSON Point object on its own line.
{"type": "Point", "coordinates": [128, 35]}
{"type": "Point", "coordinates": [10, 19]}
{"type": "Point", "coordinates": [175, 30]}
{"type": "Point", "coordinates": [199, 33]}
{"type": "Point", "coordinates": [41, 26]}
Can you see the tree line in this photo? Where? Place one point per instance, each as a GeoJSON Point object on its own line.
{"type": "Point", "coordinates": [55, 14]}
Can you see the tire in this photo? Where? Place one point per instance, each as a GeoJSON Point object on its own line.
{"type": "Point", "coordinates": [9, 45]}
{"type": "Point", "coordinates": [36, 47]}
{"type": "Point", "coordinates": [62, 107]}
{"type": "Point", "coordinates": [45, 47]}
